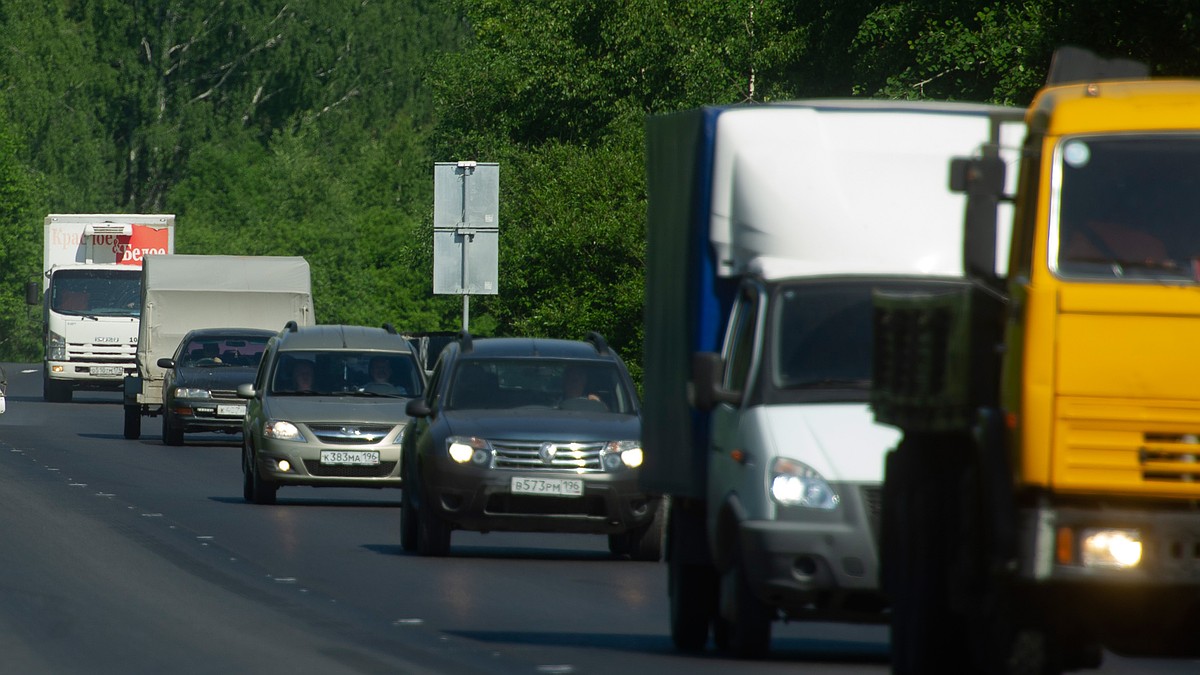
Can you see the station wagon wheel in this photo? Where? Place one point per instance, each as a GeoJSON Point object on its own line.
{"type": "Point", "coordinates": [261, 491]}
{"type": "Point", "coordinates": [247, 477]}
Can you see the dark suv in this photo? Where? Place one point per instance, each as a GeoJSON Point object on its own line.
{"type": "Point", "coordinates": [327, 409]}
{"type": "Point", "coordinates": [531, 435]}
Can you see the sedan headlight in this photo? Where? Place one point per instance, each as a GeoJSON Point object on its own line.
{"type": "Point", "coordinates": [463, 449]}
{"type": "Point", "coordinates": [56, 348]}
{"type": "Point", "coordinates": [191, 392]}
{"type": "Point", "coordinates": [282, 430]}
{"type": "Point", "coordinates": [618, 454]}
{"type": "Point", "coordinates": [797, 484]}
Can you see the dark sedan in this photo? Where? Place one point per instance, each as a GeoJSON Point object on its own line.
{"type": "Point", "coordinates": [201, 381]}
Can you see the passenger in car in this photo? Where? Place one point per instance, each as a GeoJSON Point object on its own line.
{"type": "Point", "coordinates": [576, 394]}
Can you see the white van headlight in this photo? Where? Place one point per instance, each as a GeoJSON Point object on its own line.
{"type": "Point", "coordinates": [797, 484]}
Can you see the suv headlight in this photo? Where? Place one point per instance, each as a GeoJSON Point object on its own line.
{"type": "Point", "coordinates": [618, 454]}
{"type": "Point", "coordinates": [797, 484]}
{"type": "Point", "coordinates": [190, 392]}
{"type": "Point", "coordinates": [56, 348]}
{"type": "Point", "coordinates": [282, 430]}
{"type": "Point", "coordinates": [463, 449]}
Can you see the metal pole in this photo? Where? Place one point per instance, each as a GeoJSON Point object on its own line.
{"type": "Point", "coordinates": [467, 235]}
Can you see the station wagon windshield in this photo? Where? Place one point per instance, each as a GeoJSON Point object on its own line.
{"type": "Point", "coordinates": [344, 373]}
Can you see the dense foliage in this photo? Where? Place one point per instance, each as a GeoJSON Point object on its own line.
{"type": "Point", "coordinates": [310, 127]}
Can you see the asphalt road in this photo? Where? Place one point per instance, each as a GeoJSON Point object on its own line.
{"type": "Point", "coordinates": [133, 557]}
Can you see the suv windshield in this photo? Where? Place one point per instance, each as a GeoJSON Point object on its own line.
{"type": "Point", "coordinates": [504, 384]}
{"type": "Point", "coordinates": [346, 373]}
{"type": "Point", "coordinates": [1125, 207]}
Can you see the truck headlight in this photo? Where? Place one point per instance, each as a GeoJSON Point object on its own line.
{"type": "Point", "coordinates": [797, 484]}
{"type": "Point", "coordinates": [463, 449]}
{"type": "Point", "coordinates": [1108, 548]}
{"type": "Point", "coordinates": [282, 430]}
{"type": "Point", "coordinates": [56, 348]}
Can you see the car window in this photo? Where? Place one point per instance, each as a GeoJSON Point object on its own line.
{"type": "Point", "coordinates": [345, 372]}
{"type": "Point", "coordinates": [539, 383]}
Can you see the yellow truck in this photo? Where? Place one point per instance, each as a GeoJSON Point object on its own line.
{"type": "Point", "coordinates": [1044, 502]}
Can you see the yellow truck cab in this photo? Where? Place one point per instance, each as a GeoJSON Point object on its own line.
{"type": "Point", "coordinates": [1044, 502]}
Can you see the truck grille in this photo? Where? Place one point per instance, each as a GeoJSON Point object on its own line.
{"type": "Point", "coordinates": [1173, 458]}
{"type": "Point", "coordinates": [549, 456]}
{"type": "Point", "coordinates": [349, 434]}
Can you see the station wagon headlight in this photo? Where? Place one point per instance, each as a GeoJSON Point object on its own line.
{"type": "Point", "coordinates": [282, 430]}
{"type": "Point", "coordinates": [463, 449]}
{"type": "Point", "coordinates": [617, 454]}
{"type": "Point", "coordinates": [400, 436]}
{"type": "Point", "coordinates": [797, 484]}
{"type": "Point", "coordinates": [190, 392]}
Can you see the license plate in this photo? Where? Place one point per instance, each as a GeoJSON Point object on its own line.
{"type": "Point", "coordinates": [354, 457]}
{"type": "Point", "coordinates": [555, 487]}
{"type": "Point", "coordinates": [232, 410]}
{"type": "Point", "coordinates": [106, 371]}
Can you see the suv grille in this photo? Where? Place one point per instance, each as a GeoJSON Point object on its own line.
{"type": "Point", "coordinates": [349, 434]}
{"type": "Point", "coordinates": [530, 456]}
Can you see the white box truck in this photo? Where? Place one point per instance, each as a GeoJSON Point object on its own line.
{"type": "Point", "coordinates": [769, 229]}
{"type": "Point", "coordinates": [91, 269]}
{"type": "Point", "coordinates": [180, 293]}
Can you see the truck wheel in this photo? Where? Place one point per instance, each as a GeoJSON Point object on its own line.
{"type": "Point", "coordinates": [171, 434]}
{"type": "Point", "coordinates": [748, 622]}
{"type": "Point", "coordinates": [56, 391]}
{"type": "Point", "coordinates": [693, 594]}
{"type": "Point", "coordinates": [645, 543]}
{"type": "Point", "coordinates": [918, 558]}
{"type": "Point", "coordinates": [133, 422]}
{"type": "Point", "coordinates": [433, 533]}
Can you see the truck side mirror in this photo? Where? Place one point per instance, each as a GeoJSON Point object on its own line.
{"type": "Point", "coordinates": [982, 179]}
{"type": "Point", "coordinates": [708, 371]}
{"type": "Point", "coordinates": [31, 293]}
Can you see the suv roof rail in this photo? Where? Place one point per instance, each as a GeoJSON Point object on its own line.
{"type": "Point", "coordinates": [465, 338]}
{"type": "Point", "coordinates": [389, 328]}
{"type": "Point", "coordinates": [291, 326]}
{"type": "Point", "coordinates": [598, 340]}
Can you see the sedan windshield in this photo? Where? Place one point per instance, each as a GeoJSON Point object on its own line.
{"type": "Point", "coordinates": [223, 351]}
{"type": "Point", "coordinates": [347, 373]}
{"type": "Point", "coordinates": [507, 384]}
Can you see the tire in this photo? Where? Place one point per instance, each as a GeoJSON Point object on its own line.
{"type": "Point", "coordinates": [261, 491]}
{"type": "Point", "coordinates": [692, 590]}
{"type": "Point", "coordinates": [618, 544]}
{"type": "Point", "coordinates": [133, 422]}
{"type": "Point", "coordinates": [408, 508]}
{"type": "Point", "coordinates": [645, 543]}
{"type": "Point", "coordinates": [749, 622]}
{"type": "Point", "coordinates": [56, 391]}
{"type": "Point", "coordinates": [916, 556]}
{"type": "Point", "coordinates": [433, 533]}
{"type": "Point", "coordinates": [247, 474]}
{"type": "Point", "coordinates": [171, 434]}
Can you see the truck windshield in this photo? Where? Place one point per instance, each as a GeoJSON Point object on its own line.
{"type": "Point", "coordinates": [820, 340]}
{"type": "Point", "coordinates": [1126, 208]}
{"type": "Point", "coordinates": [97, 292]}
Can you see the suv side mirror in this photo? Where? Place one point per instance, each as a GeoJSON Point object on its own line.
{"type": "Point", "coordinates": [246, 390]}
{"type": "Point", "coordinates": [417, 408]}
{"type": "Point", "coordinates": [708, 371]}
